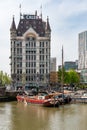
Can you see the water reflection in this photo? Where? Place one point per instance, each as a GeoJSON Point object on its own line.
{"type": "Point", "coordinates": [17, 116]}
{"type": "Point", "coordinates": [5, 116]}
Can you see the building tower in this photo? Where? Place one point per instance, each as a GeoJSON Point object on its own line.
{"type": "Point", "coordinates": [30, 50]}
{"type": "Point", "coordinates": [82, 60]}
{"type": "Point", "coordinates": [53, 64]}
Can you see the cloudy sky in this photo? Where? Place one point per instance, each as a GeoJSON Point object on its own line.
{"type": "Point", "coordinates": [67, 19]}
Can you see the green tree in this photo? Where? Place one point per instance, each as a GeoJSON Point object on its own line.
{"type": "Point", "coordinates": [73, 77]}
{"type": "Point", "coordinates": [1, 77]}
{"type": "Point", "coordinates": [66, 78]}
{"type": "Point", "coordinates": [4, 79]}
{"type": "Point", "coordinates": [62, 74]}
{"type": "Point", "coordinates": [70, 77]}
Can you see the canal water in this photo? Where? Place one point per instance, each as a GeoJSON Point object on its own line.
{"type": "Point", "coordinates": [18, 116]}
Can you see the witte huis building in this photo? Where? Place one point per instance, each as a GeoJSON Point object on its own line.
{"type": "Point", "coordinates": [30, 50]}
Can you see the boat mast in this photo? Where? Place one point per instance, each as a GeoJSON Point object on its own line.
{"type": "Point", "coordinates": [62, 80]}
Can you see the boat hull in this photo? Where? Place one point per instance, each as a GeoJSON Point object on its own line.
{"type": "Point", "coordinates": [44, 102]}
{"type": "Point", "coordinates": [34, 101]}
{"type": "Point", "coordinates": [30, 100]}
{"type": "Point", "coordinates": [51, 103]}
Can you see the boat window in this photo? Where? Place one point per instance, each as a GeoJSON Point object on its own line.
{"type": "Point", "coordinates": [40, 97]}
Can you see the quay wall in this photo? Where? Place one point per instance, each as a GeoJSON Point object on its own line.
{"type": "Point", "coordinates": [79, 100]}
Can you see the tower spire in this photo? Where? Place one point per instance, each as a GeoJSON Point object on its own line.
{"type": "Point", "coordinates": [13, 29]}
{"type": "Point", "coordinates": [48, 25]}
{"type": "Point", "coordinates": [13, 26]}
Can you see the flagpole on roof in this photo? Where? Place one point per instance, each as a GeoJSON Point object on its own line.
{"type": "Point", "coordinates": [20, 10]}
{"type": "Point", "coordinates": [41, 11]}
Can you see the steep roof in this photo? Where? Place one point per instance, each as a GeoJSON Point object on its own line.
{"type": "Point", "coordinates": [13, 26]}
{"type": "Point", "coordinates": [48, 25]}
{"type": "Point", "coordinates": [31, 21]}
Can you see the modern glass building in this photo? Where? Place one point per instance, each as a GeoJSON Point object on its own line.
{"type": "Point", "coordinates": [82, 59]}
{"type": "Point", "coordinates": [82, 50]}
{"type": "Point", "coordinates": [70, 65]}
{"type": "Point", "coordinates": [83, 76]}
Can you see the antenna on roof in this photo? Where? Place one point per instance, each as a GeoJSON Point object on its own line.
{"type": "Point", "coordinates": [20, 11]}
{"type": "Point", "coordinates": [41, 11]}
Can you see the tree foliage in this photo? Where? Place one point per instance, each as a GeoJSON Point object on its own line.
{"type": "Point", "coordinates": [4, 79]}
{"type": "Point", "coordinates": [73, 77]}
{"type": "Point", "coordinates": [68, 77]}
{"type": "Point", "coordinates": [61, 73]}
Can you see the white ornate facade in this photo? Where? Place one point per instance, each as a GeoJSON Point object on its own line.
{"type": "Point", "coordinates": [30, 50]}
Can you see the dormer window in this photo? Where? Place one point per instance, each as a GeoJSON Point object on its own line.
{"type": "Point", "coordinates": [30, 38]}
